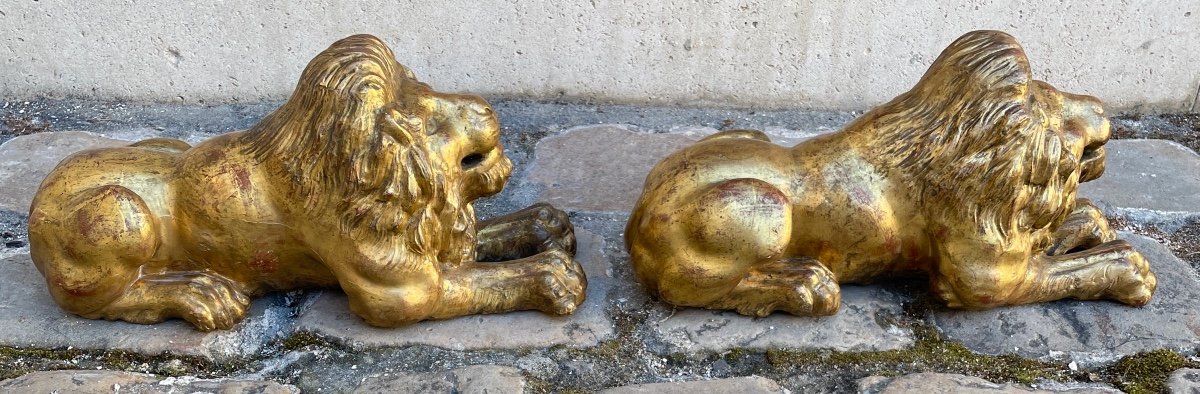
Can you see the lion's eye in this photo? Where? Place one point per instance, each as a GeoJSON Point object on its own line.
{"type": "Point", "coordinates": [431, 126]}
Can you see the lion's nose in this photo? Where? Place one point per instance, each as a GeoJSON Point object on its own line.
{"type": "Point", "coordinates": [465, 104]}
{"type": "Point", "coordinates": [473, 120]}
{"type": "Point", "coordinates": [478, 107]}
{"type": "Point", "coordinates": [1102, 128]}
{"type": "Point", "coordinates": [1103, 133]}
{"type": "Point", "coordinates": [1089, 111]}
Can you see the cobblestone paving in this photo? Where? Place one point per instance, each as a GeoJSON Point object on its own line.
{"type": "Point", "coordinates": [591, 161]}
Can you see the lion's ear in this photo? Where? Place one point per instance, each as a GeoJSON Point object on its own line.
{"type": "Point", "coordinates": [372, 92]}
{"type": "Point", "coordinates": [980, 60]}
{"type": "Point", "coordinates": [401, 127]}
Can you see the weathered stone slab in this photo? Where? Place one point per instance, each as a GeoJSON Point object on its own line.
{"type": "Point", "coordinates": [749, 384]}
{"type": "Point", "coordinates": [105, 382]}
{"type": "Point", "coordinates": [475, 379]}
{"type": "Point", "coordinates": [26, 160]}
{"type": "Point", "coordinates": [944, 383]}
{"type": "Point", "coordinates": [1185, 380]}
{"type": "Point", "coordinates": [861, 325]}
{"type": "Point", "coordinates": [1089, 331]}
{"type": "Point", "coordinates": [1157, 175]}
{"type": "Point", "coordinates": [29, 317]}
{"type": "Point", "coordinates": [14, 238]}
{"type": "Point", "coordinates": [330, 315]}
{"type": "Point", "coordinates": [599, 168]}
{"type": "Point", "coordinates": [602, 168]}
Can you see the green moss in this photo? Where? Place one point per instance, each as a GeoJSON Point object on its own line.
{"type": "Point", "coordinates": [1146, 372]}
{"type": "Point", "coordinates": [608, 349]}
{"type": "Point", "coordinates": [537, 386]}
{"type": "Point", "coordinates": [302, 339]}
{"type": "Point", "coordinates": [736, 355]}
{"type": "Point", "coordinates": [541, 386]}
{"type": "Point", "coordinates": [16, 361]}
{"type": "Point", "coordinates": [930, 353]}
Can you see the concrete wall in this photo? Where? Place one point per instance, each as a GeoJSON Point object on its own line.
{"type": "Point", "coordinates": [1136, 55]}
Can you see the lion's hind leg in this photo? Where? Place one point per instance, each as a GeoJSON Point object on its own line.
{"type": "Point", "coordinates": [89, 246]}
{"type": "Point", "coordinates": [95, 259]}
{"type": "Point", "coordinates": [206, 299]}
{"type": "Point", "coordinates": [726, 252]}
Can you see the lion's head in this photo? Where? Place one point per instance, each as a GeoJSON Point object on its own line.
{"type": "Point", "coordinates": [360, 135]}
{"type": "Point", "coordinates": [984, 143]}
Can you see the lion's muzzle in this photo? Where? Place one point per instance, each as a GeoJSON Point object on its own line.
{"type": "Point", "coordinates": [1092, 163]}
{"type": "Point", "coordinates": [1085, 115]}
{"type": "Point", "coordinates": [488, 175]}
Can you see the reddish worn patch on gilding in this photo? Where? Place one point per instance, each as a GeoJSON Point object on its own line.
{"type": "Point", "coordinates": [74, 289]}
{"type": "Point", "coordinates": [86, 224]}
{"type": "Point", "coordinates": [242, 177]}
{"type": "Point", "coordinates": [264, 261]}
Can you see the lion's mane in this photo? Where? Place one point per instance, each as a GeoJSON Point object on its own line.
{"type": "Point", "coordinates": [972, 144]}
{"type": "Point", "coordinates": [382, 183]}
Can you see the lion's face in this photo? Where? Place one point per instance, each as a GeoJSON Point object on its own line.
{"type": "Point", "coordinates": [462, 130]}
{"type": "Point", "coordinates": [399, 156]}
{"type": "Point", "coordinates": [1081, 123]}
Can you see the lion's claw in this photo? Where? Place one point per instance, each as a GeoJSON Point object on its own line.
{"type": "Point", "coordinates": [801, 287]}
{"type": "Point", "coordinates": [824, 296]}
{"type": "Point", "coordinates": [1134, 284]}
{"type": "Point", "coordinates": [562, 286]}
{"type": "Point", "coordinates": [556, 224]}
{"type": "Point", "coordinates": [211, 302]}
{"type": "Point", "coordinates": [814, 291]}
{"type": "Point", "coordinates": [536, 229]}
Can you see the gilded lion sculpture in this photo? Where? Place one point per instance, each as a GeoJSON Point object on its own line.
{"type": "Point", "coordinates": [363, 180]}
{"type": "Point", "coordinates": [971, 177]}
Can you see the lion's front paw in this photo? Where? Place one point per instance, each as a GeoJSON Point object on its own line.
{"type": "Point", "coordinates": [562, 286]}
{"type": "Point", "coordinates": [556, 225]}
{"type": "Point", "coordinates": [525, 233]}
{"type": "Point", "coordinates": [210, 301]}
{"type": "Point", "coordinates": [1085, 228]}
{"type": "Point", "coordinates": [1132, 282]}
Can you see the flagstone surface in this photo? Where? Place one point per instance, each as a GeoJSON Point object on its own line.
{"type": "Point", "coordinates": [1155, 175]}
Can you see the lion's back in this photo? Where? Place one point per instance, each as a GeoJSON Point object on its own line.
{"type": "Point", "coordinates": [143, 171]}
{"type": "Point", "coordinates": [709, 162]}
